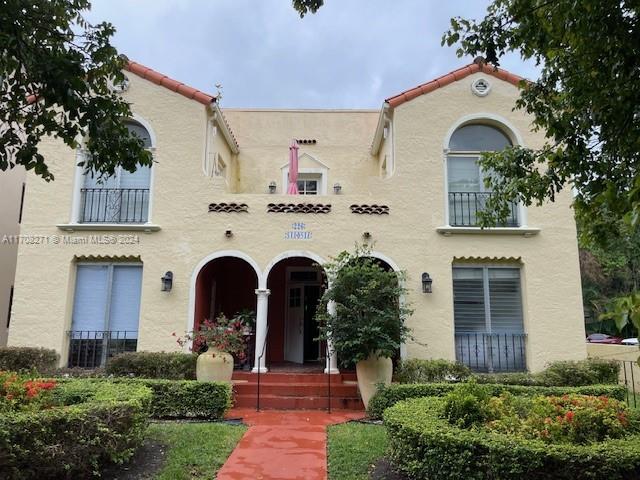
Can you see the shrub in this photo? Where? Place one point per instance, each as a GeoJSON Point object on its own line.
{"type": "Point", "coordinates": [95, 423]}
{"type": "Point", "coordinates": [423, 445]}
{"type": "Point", "coordinates": [188, 398]}
{"type": "Point", "coordinates": [387, 396]}
{"type": "Point", "coordinates": [22, 393]}
{"type": "Point", "coordinates": [27, 359]}
{"type": "Point", "coordinates": [168, 365]}
{"type": "Point", "coordinates": [467, 405]}
{"type": "Point", "coordinates": [565, 373]}
{"type": "Point", "coordinates": [425, 371]}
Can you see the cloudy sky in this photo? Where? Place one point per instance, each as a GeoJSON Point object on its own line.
{"type": "Point", "coordinates": [351, 54]}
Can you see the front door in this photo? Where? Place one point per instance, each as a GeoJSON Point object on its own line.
{"type": "Point", "coordinates": [294, 325]}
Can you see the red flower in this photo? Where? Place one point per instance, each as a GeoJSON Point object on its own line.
{"type": "Point", "coordinates": [569, 416]}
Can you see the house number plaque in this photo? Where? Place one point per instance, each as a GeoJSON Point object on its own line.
{"type": "Point", "coordinates": [298, 232]}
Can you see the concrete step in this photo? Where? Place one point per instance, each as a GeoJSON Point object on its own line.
{"type": "Point", "coordinates": [296, 389]}
{"type": "Point", "coordinates": [280, 402]}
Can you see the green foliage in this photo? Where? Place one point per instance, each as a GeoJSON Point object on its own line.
{"type": "Point", "coordinates": [102, 422]}
{"type": "Point", "coordinates": [22, 393]}
{"type": "Point", "coordinates": [584, 101]}
{"type": "Point", "coordinates": [467, 405]}
{"type": "Point", "coordinates": [422, 445]}
{"type": "Point", "coordinates": [425, 371]}
{"type": "Point", "coordinates": [57, 74]}
{"type": "Point", "coordinates": [592, 371]}
{"type": "Point", "coordinates": [387, 396]}
{"type": "Point", "coordinates": [369, 317]}
{"type": "Point", "coordinates": [352, 448]}
{"type": "Point", "coordinates": [27, 359]}
{"type": "Point", "coordinates": [194, 450]}
{"type": "Point", "coordinates": [307, 6]}
{"type": "Point", "coordinates": [187, 398]}
{"type": "Point", "coordinates": [168, 365]}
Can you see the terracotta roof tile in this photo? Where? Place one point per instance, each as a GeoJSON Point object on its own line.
{"type": "Point", "coordinates": [451, 77]}
{"type": "Point", "coordinates": [164, 81]}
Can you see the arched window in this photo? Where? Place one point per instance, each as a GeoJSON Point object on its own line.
{"type": "Point", "coordinates": [467, 193]}
{"type": "Point", "coordinates": [121, 198]}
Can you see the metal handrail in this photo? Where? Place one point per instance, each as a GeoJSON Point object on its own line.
{"type": "Point", "coordinates": [328, 378]}
{"type": "Point", "coordinates": [262, 353]}
{"type": "Point", "coordinates": [114, 205]}
{"type": "Point", "coordinates": [465, 206]}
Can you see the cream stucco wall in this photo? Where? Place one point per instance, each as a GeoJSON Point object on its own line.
{"type": "Point", "coordinates": [630, 371]}
{"type": "Point", "coordinates": [11, 182]}
{"type": "Point", "coordinates": [415, 194]}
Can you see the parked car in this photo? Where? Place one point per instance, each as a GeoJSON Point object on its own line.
{"type": "Point", "coordinates": [631, 341]}
{"type": "Point", "coordinates": [603, 338]}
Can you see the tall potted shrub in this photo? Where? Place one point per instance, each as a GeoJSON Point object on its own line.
{"type": "Point", "coordinates": [368, 325]}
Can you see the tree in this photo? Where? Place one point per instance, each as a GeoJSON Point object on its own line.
{"type": "Point", "coordinates": [586, 101]}
{"type": "Point", "coordinates": [59, 77]}
{"type": "Point", "coordinates": [369, 317]}
{"type": "Point", "coordinates": [307, 6]}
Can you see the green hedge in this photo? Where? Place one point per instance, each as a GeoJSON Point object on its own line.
{"type": "Point", "coordinates": [425, 446]}
{"type": "Point", "coordinates": [593, 371]}
{"type": "Point", "coordinates": [167, 365]}
{"type": "Point", "coordinates": [27, 359]}
{"type": "Point", "coordinates": [394, 393]}
{"type": "Point", "coordinates": [100, 422]}
{"type": "Point", "coordinates": [417, 370]}
{"type": "Point", "coordinates": [188, 398]}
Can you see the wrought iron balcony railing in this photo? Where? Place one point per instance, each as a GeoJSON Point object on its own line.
{"type": "Point", "coordinates": [492, 352]}
{"type": "Point", "coordinates": [93, 348]}
{"type": "Point", "coordinates": [114, 205]}
{"type": "Point", "coordinates": [464, 208]}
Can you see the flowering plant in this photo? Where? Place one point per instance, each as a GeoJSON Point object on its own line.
{"type": "Point", "coordinates": [577, 419]}
{"type": "Point", "coordinates": [222, 334]}
{"type": "Point", "coordinates": [21, 393]}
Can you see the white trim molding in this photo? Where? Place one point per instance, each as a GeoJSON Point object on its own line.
{"type": "Point", "coordinates": [120, 227]}
{"type": "Point", "coordinates": [447, 231]}
{"type": "Point", "coordinates": [262, 284]}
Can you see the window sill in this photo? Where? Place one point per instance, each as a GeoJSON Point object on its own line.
{"type": "Point", "coordinates": [120, 227]}
{"type": "Point", "coordinates": [524, 231]}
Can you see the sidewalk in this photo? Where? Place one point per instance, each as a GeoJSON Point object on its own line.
{"type": "Point", "coordinates": [282, 445]}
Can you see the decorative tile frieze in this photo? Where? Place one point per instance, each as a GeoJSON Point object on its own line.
{"type": "Point", "coordinates": [298, 208]}
{"type": "Point", "coordinates": [228, 207]}
{"type": "Point", "coordinates": [365, 209]}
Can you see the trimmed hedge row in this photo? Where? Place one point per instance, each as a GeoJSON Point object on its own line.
{"type": "Point", "coordinates": [167, 365]}
{"type": "Point", "coordinates": [425, 446]}
{"type": "Point", "coordinates": [187, 398]}
{"type": "Point", "coordinates": [99, 423]}
{"type": "Point", "coordinates": [394, 393]}
{"type": "Point", "coordinates": [26, 359]}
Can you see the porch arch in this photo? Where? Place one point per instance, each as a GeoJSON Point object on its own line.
{"type": "Point", "coordinates": [204, 262]}
{"type": "Point", "coordinates": [283, 256]}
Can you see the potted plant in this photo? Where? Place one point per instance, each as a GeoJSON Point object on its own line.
{"type": "Point", "coordinates": [216, 342]}
{"type": "Point", "coordinates": [368, 325]}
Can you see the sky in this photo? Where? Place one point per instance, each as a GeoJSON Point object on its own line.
{"type": "Point", "coordinates": [351, 54]}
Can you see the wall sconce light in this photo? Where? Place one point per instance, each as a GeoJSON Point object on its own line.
{"type": "Point", "coordinates": [228, 233]}
{"type": "Point", "coordinates": [272, 187]}
{"type": "Point", "coordinates": [426, 283]}
{"type": "Point", "coordinates": [366, 235]}
{"type": "Point", "coordinates": [167, 281]}
{"type": "Point", "coordinates": [337, 188]}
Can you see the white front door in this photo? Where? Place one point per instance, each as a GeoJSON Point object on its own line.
{"type": "Point", "coordinates": [294, 325]}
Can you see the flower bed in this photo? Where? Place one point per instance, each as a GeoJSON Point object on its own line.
{"type": "Point", "coordinates": [392, 394]}
{"type": "Point", "coordinates": [68, 429]}
{"type": "Point", "coordinates": [478, 437]}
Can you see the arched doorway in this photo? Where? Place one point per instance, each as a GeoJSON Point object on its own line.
{"type": "Point", "coordinates": [296, 284]}
{"type": "Point", "coordinates": [226, 285]}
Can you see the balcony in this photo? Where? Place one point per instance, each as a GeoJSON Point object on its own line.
{"type": "Point", "coordinates": [464, 208]}
{"type": "Point", "coordinates": [492, 352]}
{"type": "Point", "coordinates": [93, 349]}
{"type": "Point", "coordinates": [114, 205]}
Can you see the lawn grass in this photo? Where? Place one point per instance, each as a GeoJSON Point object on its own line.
{"type": "Point", "coordinates": [194, 450]}
{"type": "Point", "coordinates": [353, 448]}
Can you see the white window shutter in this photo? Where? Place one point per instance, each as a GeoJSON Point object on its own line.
{"type": "Point", "coordinates": [90, 300]}
{"type": "Point", "coordinates": [125, 299]}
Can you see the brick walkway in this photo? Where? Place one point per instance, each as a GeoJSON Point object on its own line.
{"type": "Point", "coordinates": [282, 445]}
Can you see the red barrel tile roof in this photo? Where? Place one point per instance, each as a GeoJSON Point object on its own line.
{"type": "Point", "coordinates": [451, 77]}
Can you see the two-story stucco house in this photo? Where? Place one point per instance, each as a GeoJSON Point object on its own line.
{"type": "Point", "coordinates": [122, 265]}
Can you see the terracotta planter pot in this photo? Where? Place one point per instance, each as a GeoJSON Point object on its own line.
{"type": "Point", "coordinates": [372, 371]}
{"type": "Point", "coordinates": [214, 366]}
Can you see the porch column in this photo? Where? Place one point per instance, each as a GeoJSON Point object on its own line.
{"type": "Point", "coordinates": [262, 308]}
{"type": "Point", "coordinates": [332, 362]}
